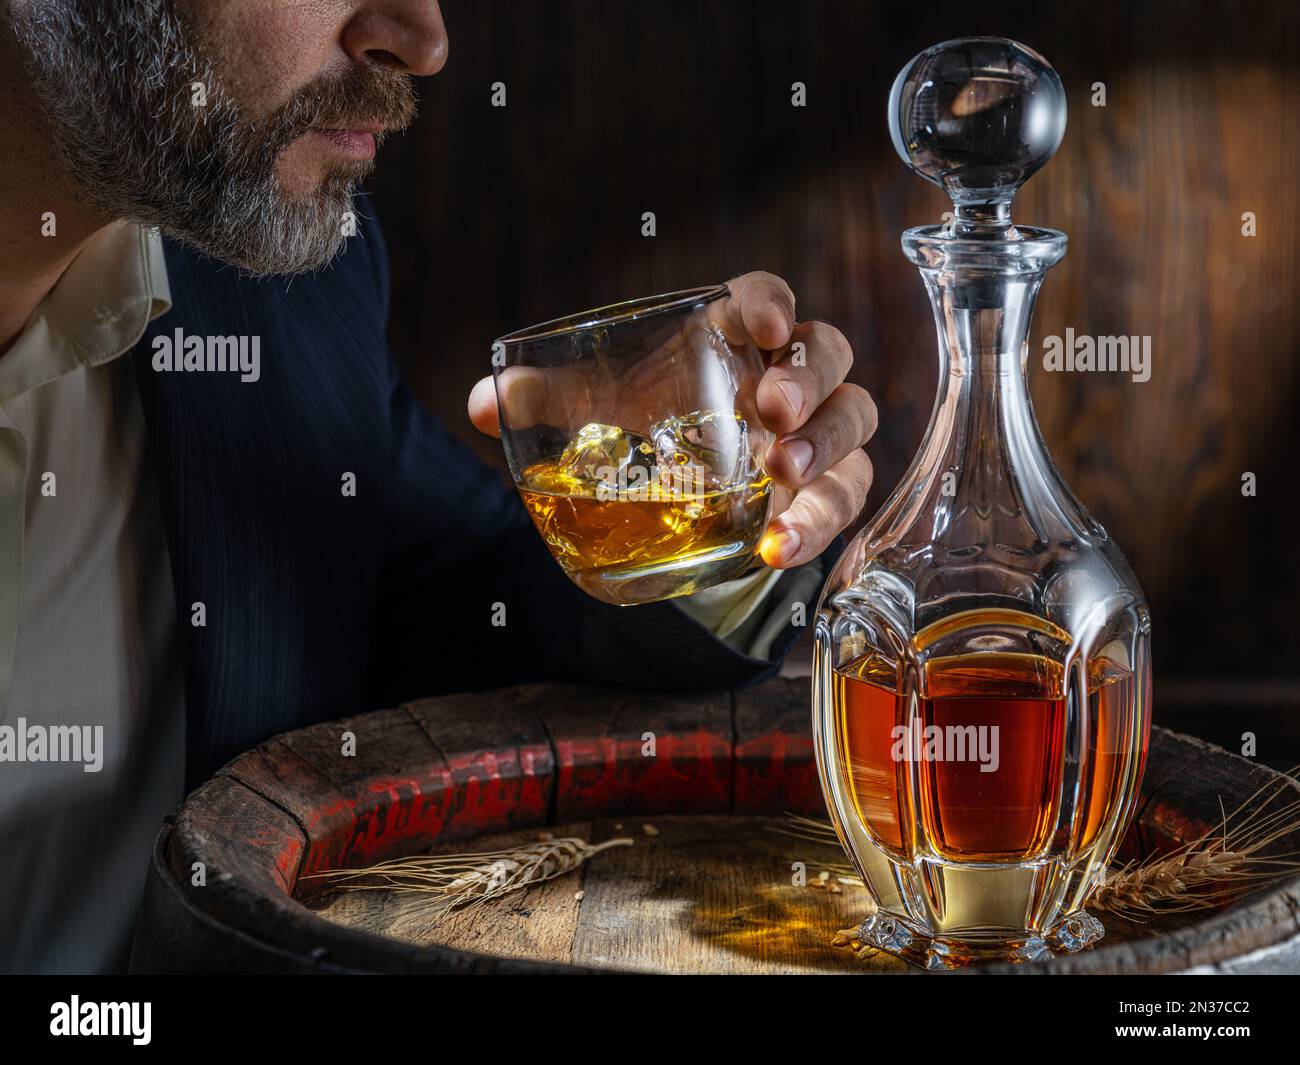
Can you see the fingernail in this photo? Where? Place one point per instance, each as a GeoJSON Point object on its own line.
{"type": "Point", "coordinates": [787, 544]}
{"type": "Point", "coordinates": [792, 395]}
{"type": "Point", "coordinates": [800, 453]}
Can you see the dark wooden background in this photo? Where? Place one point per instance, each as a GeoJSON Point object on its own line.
{"type": "Point", "coordinates": [498, 218]}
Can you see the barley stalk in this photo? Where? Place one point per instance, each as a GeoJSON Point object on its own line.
{"type": "Point", "coordinates": [1209, 870]}
{"type": "Point", "coordinates": [1178, 878]}
{"type": "Point", "coordinates": [462, 880]}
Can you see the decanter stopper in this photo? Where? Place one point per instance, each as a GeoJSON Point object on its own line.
{"type": "Point", "coordinates": [977, 116]}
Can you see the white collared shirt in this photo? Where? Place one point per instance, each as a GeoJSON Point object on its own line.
{"type": "Point", "coordinates": [87, 620]}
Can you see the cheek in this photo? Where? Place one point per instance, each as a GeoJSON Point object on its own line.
{"type": "Point", "coordinates": [265, 50]}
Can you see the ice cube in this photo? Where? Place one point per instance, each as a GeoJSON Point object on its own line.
{"type": "Point", "coordinates": [708, 447]}
{"type": "Point", "coordinates": [608, 454]}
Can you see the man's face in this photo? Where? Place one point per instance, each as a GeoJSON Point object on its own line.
{"type": "Point", "coordinates": [241, 126]}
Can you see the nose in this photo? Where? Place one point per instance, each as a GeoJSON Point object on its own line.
{"type": "Point", "coordinates": [405, 35]}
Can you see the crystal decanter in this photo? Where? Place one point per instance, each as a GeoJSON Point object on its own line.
{"type": "Point", "coordinates": [981, 694]}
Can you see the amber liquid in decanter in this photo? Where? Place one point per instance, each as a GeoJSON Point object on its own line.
{"type": "Point", "coordinates": [987, 731]}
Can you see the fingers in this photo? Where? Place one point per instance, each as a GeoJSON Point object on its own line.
{"type": "Point", "coordinates": [838, 427]}
{"type": "Point", "coordinates": [529, 395]}
{"type": "Point", "coordinates": [483, 407]}
{"type": "Point", "coordinates": [796, 384]}
{"type": "Point", "coordinates": [761, 310]}
{"type": "Point", "coordinates": [818, 513]}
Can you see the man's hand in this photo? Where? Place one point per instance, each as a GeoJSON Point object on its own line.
{"type": "Point", "coordinates": [820, 421]}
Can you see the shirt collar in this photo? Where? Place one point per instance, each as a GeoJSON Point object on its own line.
{"type": "Point", "coordinates": [97, 310]}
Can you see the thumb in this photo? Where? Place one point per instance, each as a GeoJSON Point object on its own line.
{"type": "Point", "coordinates": [483, 407]}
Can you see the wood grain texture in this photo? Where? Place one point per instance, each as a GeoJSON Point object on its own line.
{"type": "Point", "coordinates": [703, 895]}
{"type": "Point", "coordinates": [713, 895]}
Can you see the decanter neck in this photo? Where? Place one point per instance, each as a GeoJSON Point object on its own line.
{"type": "Point", "coordinates": [982, 289]}
{"type": "Point", "coordinates": [983, 412]}
{"type": "Point", "coordinates": [978, 338]}
{"type": "Point", "coordinates": [983, 436]}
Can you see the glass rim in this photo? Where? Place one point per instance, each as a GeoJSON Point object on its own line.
{"type": "Point", "coordinates": [1034, 239]}
{"type": "Point", "coordinates": [931, 248]}
{"type": "Point", "coordinates": [614, 313]}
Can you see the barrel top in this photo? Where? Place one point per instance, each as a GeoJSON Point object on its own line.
{"type": "Point", "coordinates": [711, 888]}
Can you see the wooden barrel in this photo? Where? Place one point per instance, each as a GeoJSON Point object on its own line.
{"type": "Point", "coordinates": [702, 784]}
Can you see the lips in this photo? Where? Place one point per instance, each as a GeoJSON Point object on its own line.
{"type": "Point", "coordinates": [359, 143]}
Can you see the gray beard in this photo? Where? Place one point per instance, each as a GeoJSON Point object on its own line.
{"type": "Point", "coordinates": [116, 78]}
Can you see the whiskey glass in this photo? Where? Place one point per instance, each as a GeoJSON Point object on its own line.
{"type": "Point", "coordinates": [633, 439]}
{"type": "Point", "coordinates": [982, 692]}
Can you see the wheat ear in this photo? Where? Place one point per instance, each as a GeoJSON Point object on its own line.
{"type": "Point", "coordinates": [1204, 872]}
{"type": "Point", "coordinates": [461, 880]}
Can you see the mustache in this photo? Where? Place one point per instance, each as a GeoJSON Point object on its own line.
{"type": "Point", "coordinates": [364, 97]}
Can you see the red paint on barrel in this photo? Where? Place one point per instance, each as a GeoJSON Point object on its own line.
{"type": "Point", "coordinates": [776, 772]}
{"type": "Point", "coordinates": [600, 776]}
{"type": "Point", "coordinates": [500, 789]}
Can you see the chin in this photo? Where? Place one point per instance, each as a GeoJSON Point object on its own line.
{"type": "Point", "coordinates": [303, 177]}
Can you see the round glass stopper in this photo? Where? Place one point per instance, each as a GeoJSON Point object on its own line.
{"type": "Point", "coordinates": [977, 116]}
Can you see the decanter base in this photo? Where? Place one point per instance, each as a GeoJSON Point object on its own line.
{"type": "Point", "coordinates": [900, 937]}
